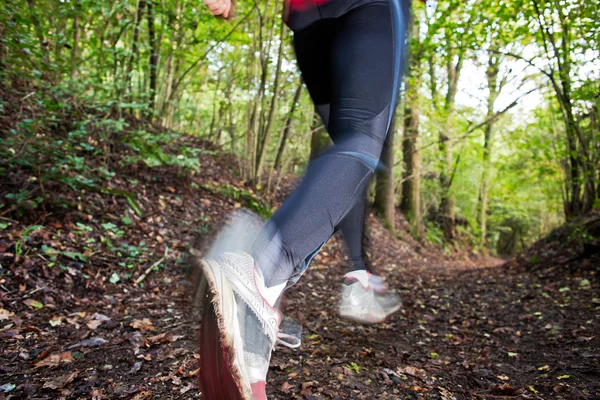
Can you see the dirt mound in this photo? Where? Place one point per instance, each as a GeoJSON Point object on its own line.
{"type": "Point", "coordinates": [573, 247]}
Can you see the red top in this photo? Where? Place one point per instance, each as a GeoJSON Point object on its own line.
{"type": "Point", "coordinates": [302, 5]}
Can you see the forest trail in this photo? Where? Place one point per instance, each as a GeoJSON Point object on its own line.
{"type": "Point", "coordinates": [74, 325]}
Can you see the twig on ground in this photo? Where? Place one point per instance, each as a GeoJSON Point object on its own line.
{"type": "Point", "coordinates": [150, 268]}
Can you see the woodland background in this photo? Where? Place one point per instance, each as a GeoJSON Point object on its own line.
{"type": "Point", "coordinates": [496, 137]}
{"type": "Point", "coordinates": [130, 128]}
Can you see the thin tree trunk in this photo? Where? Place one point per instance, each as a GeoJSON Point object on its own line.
{"type": "Point", "coordinates": [411, 156]}
{"type": "Point", "coordinates": [447, 199]}
{"type": "Point", "coordinates": [40, 34]}
{"type": "Point", "coordinates": [494, 88]}
{"type": "Point", "coordinates": [134, 49]}
{"type": "Point", "coordinates": [153, 55]}
{"type": "Point", "coordinates": [319, 138]}
{"type": "Point", "coordinates": [264, 145]}
{"type": "Point", "coordinates": [287, 128]}
{"type": "Point", "coordinates": [76, 39]}
{"type": "Point", "coordinates": [384, 203]}
{"type": "Point", "coordinates": [215, 101]}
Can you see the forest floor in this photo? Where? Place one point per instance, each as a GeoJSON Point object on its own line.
{"type": "Point", "coordinates": [74, 323]}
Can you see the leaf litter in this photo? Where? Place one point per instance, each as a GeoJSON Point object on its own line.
{"type": "Point", "coordinates": [73, 321]}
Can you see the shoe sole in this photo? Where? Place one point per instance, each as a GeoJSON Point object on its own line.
{"type": "Point", "coordinates": [219, 376]}
{"type": "Point", "coordinates": [368, 318]}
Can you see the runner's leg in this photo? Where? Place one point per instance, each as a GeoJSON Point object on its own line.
{"type": "Point", "coordinates": [363, 64]}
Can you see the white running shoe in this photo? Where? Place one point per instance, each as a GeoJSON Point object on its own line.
{"type": "Point", "coordinates": [239, 329]}
{"type": "Point", "coordinates": [365, 298]}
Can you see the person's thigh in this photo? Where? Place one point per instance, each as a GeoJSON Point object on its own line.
{"type": "Point", "coordinates": [313, 50]}
{"type": "Point", "coordinates": [362, 78]}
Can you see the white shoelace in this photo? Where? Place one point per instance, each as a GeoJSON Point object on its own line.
{"type": "Point", "coordinates": [293, 341]}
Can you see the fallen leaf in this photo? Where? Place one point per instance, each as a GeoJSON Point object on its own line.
{"type": "Point", "coordinates": [412, 371]}
{"type": "Point", "coordinates": [193, 373]}
{"type": "Point", "coordinates": [55, 320]}
{"type": "Point", "coordinates": [285, 388]}
{"type": "Point", "coordinates": [61, 382]}
{"type": "Point", "coordinates": [560, 388]}
{"type": "Point", "coordinates": [164, 338]}
{"type": "Point", "coordinates": [95, 341]}
{"type": "Point", "coordinates": [136, 367]}
{"type": "Point", "coordinates": [8, 387]}
{"type": "Point", "coordinates": [34, 304]}
{"type": "Point", "coordinates": [506, 389]}
{"type": "Point", "coordinates": [101, 317]}
{"type": "Point", "coordinates": [503, 377]}
{"type": "Point", "coordinates": [5, 314]}
{"type": "Point", "coordinates": [143, 395]}
{"type": "Point", "coordinates": [55, 359]}
{"type": "Point", "coordinates": [93, 324]}
{"type": "Point", "coordinates": [143, 325]}
{"type": "Point", "coordinates": [186, 389]}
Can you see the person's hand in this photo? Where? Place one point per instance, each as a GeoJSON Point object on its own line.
{"type": "Point", "coordinates": [219, 7]}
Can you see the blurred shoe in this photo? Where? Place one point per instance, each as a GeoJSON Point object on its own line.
{"type": "Point", "coordinates": [365, 298]}
{"type": "Point", "coordinates": [239, 330]}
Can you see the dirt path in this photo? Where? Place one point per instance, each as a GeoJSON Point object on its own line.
{"type": "Point", "coordinates": [477, 333]}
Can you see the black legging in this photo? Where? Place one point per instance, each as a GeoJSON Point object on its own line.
{"type": "Point", "coordinates": [352, 67]}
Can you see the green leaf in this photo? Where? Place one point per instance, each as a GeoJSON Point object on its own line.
{"type": "Point", "coordinates": [37, 305]}
{"type": "Point", "coordinates": [564, 377]}
{"type": "Point", "coordinates": [511, 354]}
{"type": "Point", "coordinates": [75, 256]}
{"type": "Point", "coordinates": [126, 220]}
{"type": "Point", "coordinates": [109, 226]}
{"type": "Point", "coordinates": [3, 225]}
{"type": "Point", "coordinates": [584, 282]}
{"type": "Point", "coordinates": [115, 278]}
{"type": "Point", "coordinates": [84, 227]}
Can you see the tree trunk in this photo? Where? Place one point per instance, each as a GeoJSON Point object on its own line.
{"type": "Point", "coordinates": [76, 39]}
{"type": "Point", "coordinates": [319, 138]}
{"type": "Point", "coordinates": [153, 55]}
{"type": "Point", "coordinates": [411, 156]}
{"type": "Point", "coordinates": [215, 101]}
{"type": "Point", "coordinates": [40, 34]}
{"type": "Point", "coordinates": [288, 126]}
{"type": "Point", "coordinates": [253, 138]}
{"type": "Point", "coordinates": [134, 49]}
{"type": "Point", "coordinates": [264, 143]}
{"type": "Point", "coordinates": [494, 88]}
{"type": "Point", "coordinates": [384, 203]}
{"type": "Point", "coordinates": [445, 144]}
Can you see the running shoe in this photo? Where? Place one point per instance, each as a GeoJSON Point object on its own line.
{"type": "Point", "coordinates": [240, 328]}
{"type": "Point", "coordinates": [365, 298]}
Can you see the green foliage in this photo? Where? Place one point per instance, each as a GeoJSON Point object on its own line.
{"type": "Point", "coordinates": [89, 84]}
{"type": "Point", "coordinates": [24, 237]}
{"type": "Point", "coordinates": [244, 197]}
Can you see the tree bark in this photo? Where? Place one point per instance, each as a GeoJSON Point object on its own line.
{"type": "Point", "coordinates": [134, 49]}
{"type": "Point", "coordinates": [40, 34]}
{"type": "Point", "coordinates": [384, 203]}
{"type": "Point", "coordinates": [153, 55]}
{"type": "Point", "coordinates": [319, 138]}
{"type": "Point", "coordinates": [76, 40]}
{"type": "Point", "coordinates": [494, 88]}
{"type": "Point", "coordinates": [411, 156]}
{"type": "Point", "coordinates": [264, 143]}
{"type": "Point", "coordinates": [445, 144]}
{"type": "Point", "coordinates": [287, 128]}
